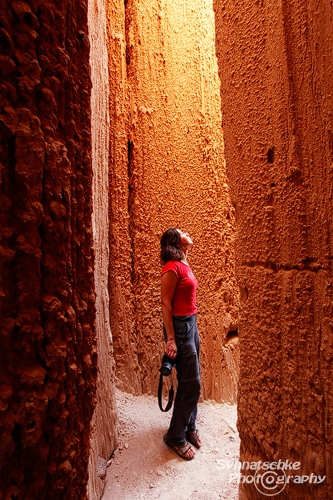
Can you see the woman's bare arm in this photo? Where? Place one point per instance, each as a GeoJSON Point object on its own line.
{"type": "Point", "coordinates": [168, 285]}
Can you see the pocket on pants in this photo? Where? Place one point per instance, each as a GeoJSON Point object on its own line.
{"type": "Point", "coordinates": [183, 334]}
{"type": "Point", "coordinates": [188, 366]}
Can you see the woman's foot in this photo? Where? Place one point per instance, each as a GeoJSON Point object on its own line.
{"type": "Point", "coordinates": [184, 451]}
{"type": "Point", "coordinates": [193, 437]}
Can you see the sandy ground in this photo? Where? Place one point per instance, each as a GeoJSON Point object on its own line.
{"type": "Point", "coordinates": [143, 467]}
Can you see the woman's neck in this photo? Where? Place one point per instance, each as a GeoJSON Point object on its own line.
{"type": "Point", "coordinates": [184, 255]}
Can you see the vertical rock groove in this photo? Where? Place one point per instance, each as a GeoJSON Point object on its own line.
{"type": "Point", "coordinates": [121, 275]}
{"type": "Point", "coordinates": [130, 205]}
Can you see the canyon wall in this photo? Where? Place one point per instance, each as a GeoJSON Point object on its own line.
{"type": "Point", "coordinates": [167, 169]}
{"type": "Point", "coordinates": [48, 362]}
{"type": "Point", "coordinates": [104, 423]}
{"type": "Point", "coordinates": [122, 300]}
{"type": "Point", "coordinates": [276, 70]}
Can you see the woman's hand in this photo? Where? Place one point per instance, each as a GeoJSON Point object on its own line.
{"type": "Point", "coordinates": [171, 349]}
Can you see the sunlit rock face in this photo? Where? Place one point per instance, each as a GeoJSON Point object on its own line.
{"type": "Point", "coordinates": [47, 333]}
{"type": "Point", "coordinates": [167, 169]}
{"type": "Point", "coordinates": [276, 69]}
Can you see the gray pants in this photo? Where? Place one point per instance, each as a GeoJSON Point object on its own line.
{"type": "Point", "coordinates": [188, 376]}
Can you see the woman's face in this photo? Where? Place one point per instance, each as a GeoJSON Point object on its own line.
{"type": "Point", "coordinates": [185, 240]}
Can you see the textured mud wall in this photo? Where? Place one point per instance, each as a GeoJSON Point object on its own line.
{"type": "Point", "coordinates": [122, 301]}
{"type": "Point", "coordinates": [276, 68]}
{"type": "Point", "coordinates": [47, 339]}
{"type": "Point", "coordinates": [104, 425]}
{"type": "Point", "coordinates": [167, 169]}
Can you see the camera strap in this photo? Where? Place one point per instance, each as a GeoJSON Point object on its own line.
{"type": "Point", "coordinates": [171, 395]}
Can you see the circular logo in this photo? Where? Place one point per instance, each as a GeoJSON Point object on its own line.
{"type": "Point", "coordinates": [270, 482]}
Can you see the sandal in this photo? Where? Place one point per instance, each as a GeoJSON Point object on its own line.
{"type": "Point", "coordinates": [193, 437]}
{"type": "Point", "coordinates": [180, 450]}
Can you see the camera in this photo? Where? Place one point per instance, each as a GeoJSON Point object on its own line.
{"type": "Point", "coordinates": [167, 365]}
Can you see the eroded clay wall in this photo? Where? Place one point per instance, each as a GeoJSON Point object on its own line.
{"type": "Point", "coordinates": [122, 301]}
{"type": "Point", "coordinates": [167, 169]}
{"type": "Point", "coordinates": [47, 333]}
{"type": "Point", "coordinates": [104, 423]}
{"type": "Point", "coordinates": [276, 69]}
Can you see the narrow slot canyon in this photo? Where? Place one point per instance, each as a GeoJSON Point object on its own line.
{"type": "Point", "coordinates": [167, 169]}
{"type": "Point", "coordinates": [117, 121]}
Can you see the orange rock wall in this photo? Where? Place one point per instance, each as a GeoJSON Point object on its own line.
{"type": "Point", "coordinates": [276, 69]}
{"type": "Point", "coordinates": [122, 301]}
{"type": "Point", "coordinates": [167, 169]}
{"type": "Point", "coordinates": [47, 334]}
{"type": "Point", "coordinates": [104, 423]}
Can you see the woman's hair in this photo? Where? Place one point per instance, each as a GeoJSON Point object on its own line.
{"type": "Point", "coordinates": [170, 245]}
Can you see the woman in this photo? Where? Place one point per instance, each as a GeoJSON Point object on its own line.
{"type": "Point", "coordinates": [178, 298]}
